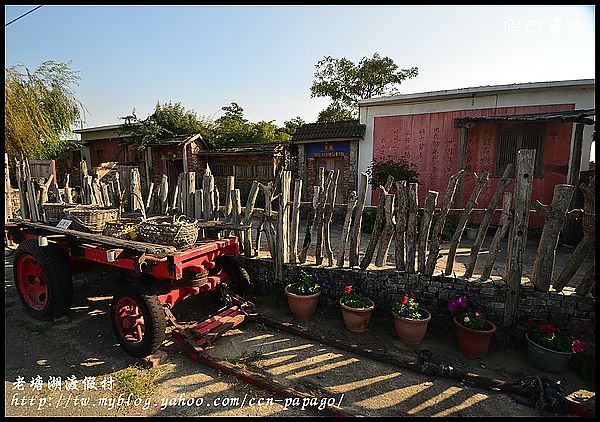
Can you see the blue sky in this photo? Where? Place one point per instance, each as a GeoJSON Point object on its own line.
{"type": "Point", "coordinates": [263, 57]}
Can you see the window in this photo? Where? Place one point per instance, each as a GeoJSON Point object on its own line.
{"type": "Point", "coordinates": [512, 138]}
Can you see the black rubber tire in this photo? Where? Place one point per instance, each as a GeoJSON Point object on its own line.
{"type": "Point", "coordinates": [58, 279]}
{"type": "Point", "coordinates": [154, 319]}
{"type": "Point", "coordinates": [238, 280]}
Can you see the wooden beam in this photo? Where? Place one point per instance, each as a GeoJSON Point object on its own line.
{"type": "Point", "coordinates": [462, 148]}
{"type": "Point", "coordinates": [357, 220]}
{"type": "Point", "coordinates": [401, 215]}
{"type": "Point", "coordinates": [430, 202]}
{"type": "Point", "coordinates": [498, 236]}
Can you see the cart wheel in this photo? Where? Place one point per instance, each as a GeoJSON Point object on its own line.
{"type": "Point", "coordinates": [138, 320]}
{"type": "Point", "coordinates": [43, 280]}
{"type": "Point", "coordinates": [238, 280]}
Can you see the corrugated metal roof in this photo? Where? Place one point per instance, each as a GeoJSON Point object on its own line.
{"type": "Point", "coordinates": [569, 116]}
{"type": "Point", "coordinates": [467, 92]}
{"type": "Point", "coordinates": [346, 129]}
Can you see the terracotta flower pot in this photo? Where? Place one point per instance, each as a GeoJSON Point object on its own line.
{"type": "Point", "coordinates": [473, 343]}
{"type": "Point", "coordinates": [302, 306]}
{"type": "Point", "coordinates": [546, 359]}
{"type": "Point", "coordinates": [409, 330]}
{"type": "Point", "coordinates": [356, 319]}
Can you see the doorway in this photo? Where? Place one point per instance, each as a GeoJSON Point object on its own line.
{"type": "Point", "coordinates": [332, 163]}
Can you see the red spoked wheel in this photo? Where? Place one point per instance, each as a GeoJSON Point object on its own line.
{"type": "Point", "coordinates": [32, 282]}
{"type": "Point", "coordinates": [43, 280]}
{"type": "Point", "coordinates": [138, 319]}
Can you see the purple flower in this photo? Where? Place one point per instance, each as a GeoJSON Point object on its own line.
{"type": "Point", "coordinates": [478, 314]}
{"type": "Point", "coordinates": [462, 302]}
{"type": "Point", "coordinates": [405, 313]}
{"type": "Point", "coordinates": [452, 306]}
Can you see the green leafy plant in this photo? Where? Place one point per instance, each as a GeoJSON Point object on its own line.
{"type": "Point", "coordinates": [398, 168]}
{"type": "Point", "coordinates": [468, 311]}
{"type": "Point", "coordinates": [408, 307]}
{"type": "Point", "coordinates": [307, 286]}
{"type": "Point", "coordinates": [550, 337]}
{"type": "Point", "coordinates": [353, 299]}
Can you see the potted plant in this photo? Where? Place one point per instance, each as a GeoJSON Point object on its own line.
{"type": "Point", "coordinates": [356, 310]}
{"type": "Point", "coordinates": [473, 330]}
{"type": "Point", "coordinates": [303, 296]}
{"type": "Point", "coordinates": [410, 321]}
{"type": "Point", "coordinates": [548, 348]}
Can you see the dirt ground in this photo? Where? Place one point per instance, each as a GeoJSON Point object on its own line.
{"type": "Point", "coordinates": [86, 347]}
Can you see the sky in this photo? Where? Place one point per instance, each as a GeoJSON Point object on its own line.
{"type": "Point", "coordinates": [263, 57]}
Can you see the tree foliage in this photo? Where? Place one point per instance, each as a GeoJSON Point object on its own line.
{"type": "Point", "coordinates": [335, 113]}
{"type": "Point", "coordinates": [399, 168]}
{"type": "Point", "coordinates": [290, 126]}
{"type": "Point", "coordinates": [346, 82]}
{"type": "Point", "coordinates": [40, 110]}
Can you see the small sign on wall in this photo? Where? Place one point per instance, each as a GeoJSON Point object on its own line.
{"type": "Point", "coordinates": [64, 223]}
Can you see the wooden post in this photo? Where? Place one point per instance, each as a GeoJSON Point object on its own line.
{"type": "Point", "coordinates": [377, 225]}
{"type": "Point", "coordinates": [586, 245]}
{"type": "Point", "coordinates": [498, 236]}
{"type": "Point", "coordinates": [8, 211]}
{"type": "Point", "coordinates": [44, 190]}
{"type": "Point", "coordinates": [83, 173]}
{"type": "Point", "coordinates": [67, 189]}
{"type": "Point", "coordinates": [119, 202]}
{"type": "Point", "coordinates": [309, 224]}
{"type": "Point", "coordinates": [462, 148]}
{"type": "Point", "coordinates": [401, 215]}
{"type": "Point", "coordinates": [387, 232]}
{"type": "Point", "coordinates": [105, 195]}
{"type": "Point", "coordinates": [411, 226]}
{"type": "Point", "coordinates": [208, 187]}
{"type": "Point", "coordinates": [97, 190]}
{"type": "Point", "coordinates": [55, 190]}
{"type": "Point", "coordinates": [328, 216]}
{"type": "Point", "coordinates": [31, 196]}
{"type": "Point", "coordinates": [428, 209]}
{"type": "Point", "coordinates": [436, 236]}
{"type": "Point", "coordinates": [283, 221]}
{"type": "Point", "coordinates": [573, 179]}
{"type": "Point", "coordinates": [149, 198]}
{"type": "Point", "coordinates": [357, 220]}
{"type": "Point", "coordinates": [295, 221]}
{"type": "Point", "coordinates": [464, 218]}
{"type": "Point", "coordinates": [518, 236]}
{"type": "Point", "coordinates": [554, 216]}
{"type": "Point", "coordinates": [228, 199]}
{"type": "Point", "coordinates": [504, 181]}
{"type": "Point", "coordinates": [236, 215]}
{"type": "Point", "coordinates": [248, 218]}
{"type": "Point", "coordinates": [352, 199]}
{"type": "Point", "coordinates": [190, 190]}
{"type": "Point", "coordinates": [320, 217]}
{"type": "Point", "coordinates": [268, 225]}
{"type": "Point", "coordinates": [164, 195]}
{"type": "Point", "coordinates": [25, 213]}
{"type": "Point", "coordinates": [587, 282]}
{"type": "Point", "coordinates": [216, 206]}
{"type": "Point", "coordinates": [175, 205]}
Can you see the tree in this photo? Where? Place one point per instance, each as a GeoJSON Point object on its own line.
{"type": "Point", "coordinates": [398, 168]}
{"type": "Point", "coordinates": [346, 82]}
{"type": "Point", "coordinates": [335, 113]}
{"type": "Point", "coordinates": [40, 109]}
{"type": "Point", "coordinates": [290, 126]}
{"type": "Point", "coordinates": [167, 120]}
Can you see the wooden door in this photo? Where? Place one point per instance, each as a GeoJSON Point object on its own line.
{"type": "Point", "coordinates": [332, 163]}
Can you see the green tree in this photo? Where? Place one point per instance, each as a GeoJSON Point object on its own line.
{"type": "Point", "coordinates": [346, 83]}
{"type": "Point", "coordinates": [335, 113]}
{"type": "Point", "coordinates": [167, 120]}
{"type": "Point", "coordinates": [290, 126]}
{"type": "Point", "coordinates": [40, 110]}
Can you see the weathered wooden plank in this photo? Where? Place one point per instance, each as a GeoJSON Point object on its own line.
{"type": "Point", "coordinates": [56, 191]}
{"type": "Point", "coordinates": [190, 190]}
{"type": "Point", "coordinates": [464, 218]}
{"type": "Point", "coordinates": [401, 216]}
{"type": "Point", "coordinates": [282, 244]}
{"type": "Point", "coordinates": [44, 187]}
{"type": "Point", "coordinates": [411, 226]}
{"type": "Point", "coordinates": [310, 222]}
{"type": "Point", "coordinates": [498, 236]}
{"type": "Point", "coordinates": [295, 221]}
{"type": "Point", "coordinates": [328, 216]}
{"type": "Point", "coordinates": [248, 218]}
{"type": "Point", "coordinates": [216, 202]}
{"type": "Point", "coordinates": [236, 216]}
{"type": "Point", "coordinates": [588, 280]}
{"type": "Point", "coordinates": [67, 189]}
{"type": "Point", "coordinates": [357, 220]}
{"type": "Point", "coordinates": [208, 187]}
{"type": "Point", "coordinates": [228, 198]}
{"type": "Point", "coordinates": [387, 232]}
{"type": "Point", "coordinates": [320, 217]}
{"type": "Point", "coordinates": [352, 200]}
{"type": "Point", "coordinates": [105, 195]}
{"type": "Point", "coordinates": [554, 216]}
{"type": "Point", "coordinates": [149, 198]}
{"type": "Point", "coordinates": [430, 202]}
{"type": "Point", "coordinates": [504, 181]}
{"type": "Point", "coordinates": [377, 225]}
{"type": "Point", "coordinates": [436, 237]}
{"type": "Point", "coordinates": [586, 245]}
{"type": "Point", "coordinates": [8, 208]}
{"type": "Point", "coordinates": [268, 225]}
{"type": "Point", "coordinates": [517, 241]}
{"type": "Point", "coordinates": [25, 213]}
{"type": "Point", "coordinates": [31, 196]}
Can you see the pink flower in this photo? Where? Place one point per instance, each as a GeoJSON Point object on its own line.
{"type": "Point", "coordinates": [348, 290]}
{"type": "Point", "coordinates": [461, 302]}
{"type": "Point", "coordinates": [548, 328]}
{"type": "Point", "coordinates": [478, 314]}
{"type": "Point", "coordinates": [578, 346]}
{"type": "Point", "coordinates": [452, 306]}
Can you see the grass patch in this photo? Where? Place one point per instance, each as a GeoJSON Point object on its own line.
{"type": "Point", "coordinates": [140, 382]}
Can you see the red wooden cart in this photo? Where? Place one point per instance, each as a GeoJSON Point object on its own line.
{"type": "Point", "coordinates": [153, 279]}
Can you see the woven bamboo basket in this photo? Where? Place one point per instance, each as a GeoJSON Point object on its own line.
{"type": "Point", "coordinates": [164, 231]}
{"type": "Point", "coordinates": [125, 228]}
{"type": "Point", "coordinates": [91, 218]}
{"type": "Point", "coordinates": [55, 212]}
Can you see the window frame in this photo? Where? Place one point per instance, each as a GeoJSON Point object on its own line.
{"type": "Point", "coordinates": [520, 128]}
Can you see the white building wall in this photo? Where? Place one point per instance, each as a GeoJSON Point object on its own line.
{"type": "Point", "coordinates": [582, 97]}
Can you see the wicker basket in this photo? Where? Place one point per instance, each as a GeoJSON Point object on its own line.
{"type": "Point", "coordinates": [125, 228]}
{"type": "Point", "coordinates": [55, 212]}
{"type": "Point", "coordinates": [91, 218]}
{"type": "Point", "coordinates": [163, 231]}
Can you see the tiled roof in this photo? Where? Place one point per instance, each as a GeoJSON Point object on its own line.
{"type": "Point", "coordinates": [258, 148]}
{"type": "Point", "coordinates": [346, 129]}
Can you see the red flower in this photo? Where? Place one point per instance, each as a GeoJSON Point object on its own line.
{"type": "Point", "coordinates": [412, 295]}
{"type": "Point", "coordinates": [548, 328]}
{"type": "Point", "coordinates": [348, 290]}
{"type": "Point", "coordinates": [530, 320]}
{"type": "Point", "coordinates": [578, 346]}
{"type": "Point", "coordinates": [404, 300]}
